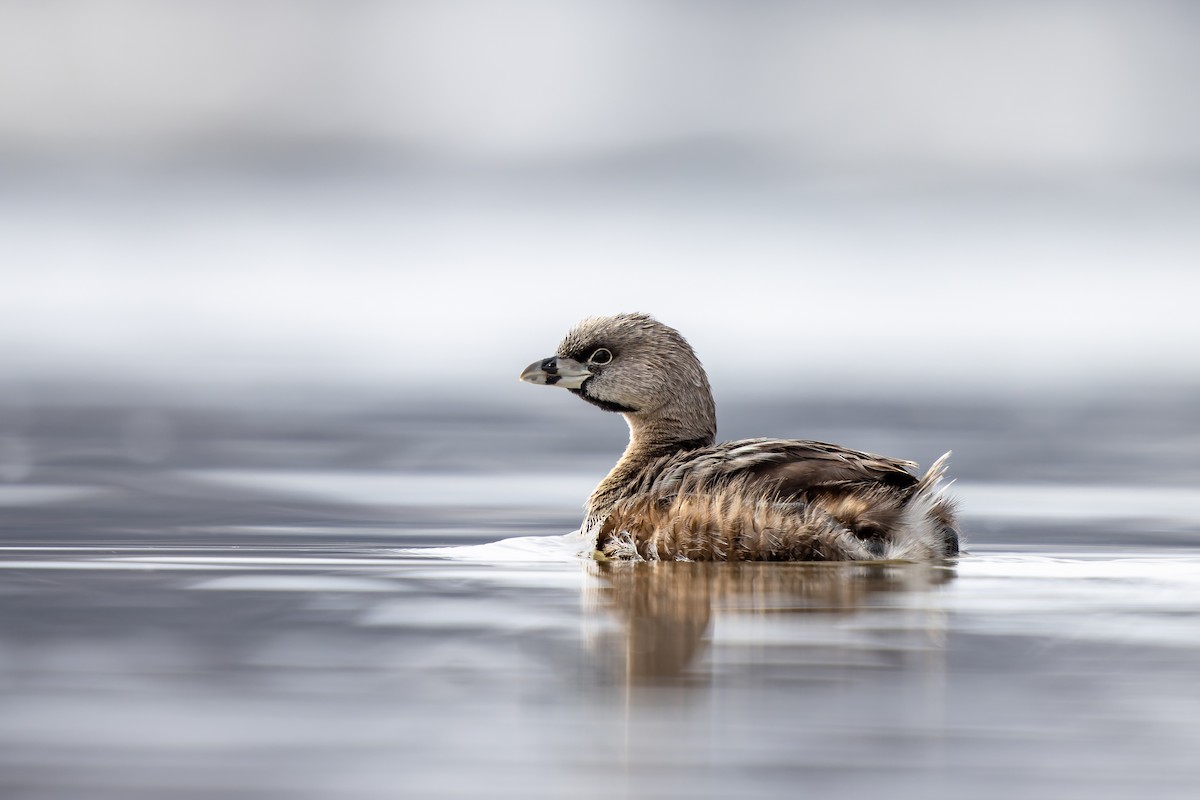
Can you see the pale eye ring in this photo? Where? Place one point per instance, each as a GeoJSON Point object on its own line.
{"type": "Point", "coordinates": [601, 357]}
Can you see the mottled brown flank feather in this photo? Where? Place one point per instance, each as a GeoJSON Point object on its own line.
{"type": "Point", "coordinates": [676, 495]}
{"type": "Point", "coordinates": [727, 525]}
{"type": "Point", "coordinates": [744, 520]}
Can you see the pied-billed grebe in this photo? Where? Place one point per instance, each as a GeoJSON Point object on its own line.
{"type": "Point", "coordinates": [676, 495]}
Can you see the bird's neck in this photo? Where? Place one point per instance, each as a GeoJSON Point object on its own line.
{"type": "Point", "coordinates": [661, 435]}
{"type": "Point", "coordinates": [687, 420]}
{"type": "Point", "coordinates": [654, 437]}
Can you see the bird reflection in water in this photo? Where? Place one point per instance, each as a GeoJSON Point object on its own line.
{"type": "Point", "coordinates": [666, 610]}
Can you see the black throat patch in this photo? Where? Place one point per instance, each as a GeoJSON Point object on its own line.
{"type": "Point", "coordinates": [607, 405]}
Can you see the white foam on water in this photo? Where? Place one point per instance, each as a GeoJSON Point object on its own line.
{"type": "Point", "coordinates": [570, 547]}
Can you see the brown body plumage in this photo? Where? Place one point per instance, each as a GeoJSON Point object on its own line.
{"type": "Point", "coordinates": [675, 494]}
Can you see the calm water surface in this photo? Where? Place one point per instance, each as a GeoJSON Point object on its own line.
{"type": "Point", "coordinates": [322, 603]}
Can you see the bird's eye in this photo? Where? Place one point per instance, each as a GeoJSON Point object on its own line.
{"type": "Point", "coordinates": [601, 356]}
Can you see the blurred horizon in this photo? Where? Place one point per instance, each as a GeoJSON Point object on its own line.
{"type": "Point", "coordinates": [867, 198]}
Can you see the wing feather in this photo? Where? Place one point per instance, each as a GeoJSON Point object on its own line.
{"type": "Point", "coordinates": [788, 467]}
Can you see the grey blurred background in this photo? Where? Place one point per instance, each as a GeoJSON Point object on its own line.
{"type": "Point", "coordinates": [361, 195]}
{"type": "Point", "coordinates": [269, 270]}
